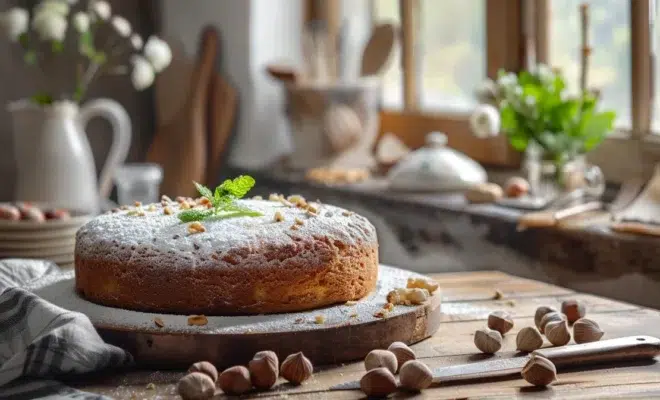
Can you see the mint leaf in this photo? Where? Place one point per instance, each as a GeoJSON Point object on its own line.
{"type": "Point", "coordinates": [194, 215]}
{"type": "Point", "coordinates": [238, 187]}
{"type": "Point", "coordinates": [204, 191]}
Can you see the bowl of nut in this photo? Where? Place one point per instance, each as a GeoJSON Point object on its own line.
{"type": "Point", "coordinates": [33, 230]}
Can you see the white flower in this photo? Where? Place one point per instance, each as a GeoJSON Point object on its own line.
{"type": "Point", "coordinates": [101, 9]}
{"type": "Point", "coordinates": [143, 74]}
{"type": "Point", "coordinates": [508, 79]}
{"type": "Point", "coordinates": [136, 41]}
{"type": "Point", "coordinates": [122, 26]}
{"type": "Point", "coordinates": [14, 22]}
{"type": "Point", "coordinates": [486, 92]}
{"type": "Point", "coordinates": [485, 121]}
{"type": "Point", "coordinates": [59, 7]}
{"type": "Point", "coordinates": [158, 53]}
{"type": "Point", "coordinates": [81, 21]}
{"type": "Point", "coordinates": [49, 25]}
{"type": "Point", "coordinates": [530, 101]}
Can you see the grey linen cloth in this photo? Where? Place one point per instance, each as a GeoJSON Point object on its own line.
{"type": "Point", "coordinates": [40, 341]}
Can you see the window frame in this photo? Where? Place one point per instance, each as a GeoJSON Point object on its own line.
{"type": "Point", "coordinates": [518, 34]}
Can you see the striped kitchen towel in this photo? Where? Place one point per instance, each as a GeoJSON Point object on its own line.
{"type": "Point", "coordinates": [40, 341]}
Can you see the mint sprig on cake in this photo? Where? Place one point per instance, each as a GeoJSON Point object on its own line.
{"type": "Point", "coordinates": [223, 201]}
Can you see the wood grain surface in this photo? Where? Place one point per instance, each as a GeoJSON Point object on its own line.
{"type": "Point", "coordinates": [466, 300]}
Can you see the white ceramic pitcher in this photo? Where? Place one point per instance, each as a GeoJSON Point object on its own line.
{"type": "Point", "coordinates": [54, 160]}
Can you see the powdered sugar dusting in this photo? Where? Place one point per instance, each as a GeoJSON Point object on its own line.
{"type": "Point", "coordinates": [59, 289]}
{"type": "Point", "coordinates": [160, 236]}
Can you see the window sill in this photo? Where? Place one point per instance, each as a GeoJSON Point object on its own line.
{"type": "Point", "coordinates": [440, 232]}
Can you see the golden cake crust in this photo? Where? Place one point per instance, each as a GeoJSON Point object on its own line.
{"type": "Point", "coordinates": [247, 265]}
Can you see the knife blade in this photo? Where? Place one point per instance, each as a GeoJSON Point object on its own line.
{"type": "Point", "coordinates": [612, 350]}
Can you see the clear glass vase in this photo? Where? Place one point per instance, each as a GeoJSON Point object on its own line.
{"type": "Point", "coordinates": [549, 178]}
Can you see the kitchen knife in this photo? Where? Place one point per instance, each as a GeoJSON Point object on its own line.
{"type": "Point", "coordinates": [605, 351]}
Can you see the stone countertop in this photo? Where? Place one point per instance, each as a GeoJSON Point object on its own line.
{"type": "Point", "coordinates": [430, 232]}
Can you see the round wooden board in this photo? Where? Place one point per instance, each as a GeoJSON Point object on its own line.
{"type": "Point", "coordinates": [348, 333]}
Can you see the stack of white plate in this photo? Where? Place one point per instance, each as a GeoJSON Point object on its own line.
{"type": "Point", "coordinates": [52, 240]}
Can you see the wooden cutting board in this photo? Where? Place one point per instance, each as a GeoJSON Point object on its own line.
{"type": "Point", "coordinates": [180, 141]}
{"type": "Point", "coordinates": [349, 331]}
{"type": "Point", "coordinates": [223, 105]}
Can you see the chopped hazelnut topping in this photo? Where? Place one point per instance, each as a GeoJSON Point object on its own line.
{"type": "Point", "coordinates": [204, 201]}
{"type": "Point", "coordinates": [136, 213]}
{"type": "Point", "coordinates": [285, 201]}
{"type": "Point", "coordinates": [196, 227]}
{"type": "Point", "coordinates": [138, 204]}
{"type": "Point", "coordinates": [347, 213]}
{"type": "Point", "coordinates": [164, 203]}
{"type": "Point", "coordinates": [388, 307]}
{"type": "Point", "coordinates": [274, 197]}
{"type": "Point", "coordinates": [298, 321]}
{"type": "Point", "coordinates": [294, 227]}
{"type": "Point", "coordinates": [296, 199]}
{"type": "Point", "coordinates": [198, 320]}
{"type": "Point", "coordinates": [185, 205]}
{"type": "Point", "coordinates": [408, 296]}
{"type": "Point", "coordinates": [354, 315]}
{"type": "Point", "coordinates": [167, 210]}
{"type": "Point", "coordinates": [165, 198]}
{"type": "Point", "coordinates": [319, 319]}
{"type": "Point", "coordinates": [381, 313]}
{"type": "Point", "coordinates": [498, 295]}
{"type": "Point", "coordinates": [351, 303]}
{"type": "Point", "coordinates": [299, 221]}
{"type": "Point", "coordinates": [180, 199]}
{"type": "Point", "coordinates": [151, 208]}
{"type": "Point", "coordinates": [257, 198]}
{"type": "Point", "coordinates": [422, 283]}
{"type": "Point", "coordinates": [159, 322]}
{"type": "Point", "coordinates": [192, 203]}
{"type": "Point", "coordinates": [278, 216]}
{"type": "Point", "coordinates": [312, 209]}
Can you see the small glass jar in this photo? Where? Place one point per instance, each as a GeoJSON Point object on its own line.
{"type": "Point", "coordinates": [138, 182]}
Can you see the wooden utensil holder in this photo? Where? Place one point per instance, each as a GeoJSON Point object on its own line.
{"type": "Point", "coordinates": [332, 125]}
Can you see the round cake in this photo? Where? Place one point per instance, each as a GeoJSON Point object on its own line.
{"type": "Point", "coordinates": [294, 256]}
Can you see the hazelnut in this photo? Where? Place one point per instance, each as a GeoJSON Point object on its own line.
{"type": "Point", "coordinates": [299, 221]}
{"type": "Point", "coordinates": [516, 187]}
{"type": "Point", "coordinates": [296, 368]}
{"type": "Point", "coordinates": [9, 212]}
{"type": "Point", "coordinates": [167, 210]}
{"type": "Point", "coordinates": [422, 283]}
{"type": "Point", "coordinates": [32, 214]}
{"type": "Point", "coordinates": [264, 369]}
{"type": "Point", "coordinates": [557, 332]}
{"type": "Point", "coordinates": [573, 309]}
{"type": "Point", "coordinates": [586, 330]}
{"type": "Point", "coordinates": [57, 214]}
{"type": "Point", "coordinates": [488, 340]}
{"type": "Point", "coordinates": [185, 205]}
{"type": "Point", "coordinates": [540, 313]}
{"type": "Point", "coordinates": [278, 217]}
{"type": "Point", "coordinates": [415, 375]}
{"type": "Point", "coordinates": [205, 367]}
{"type": "Point", "coordinates": [539, 371]}
{"type": "Point", "coordinates": [378, 382]}
{"type": "Point", "coordinates": [165, 198]}
{"type": "Point", "coordinates": [408, 296]}
{"type": "Point", "coordinates": [319, 319]}
{"type": "Point", "coordinates": [138, 204]}
{"type": "Point", "coordinates": [235, 380]}
{"type": "Point", "coordinates": [501, 321]}
{"type": "Point", "coordinates": [549, 317]}
{"type": "Point", "coordinates": [196, 386]}
{"type": "Point", "coordinates": [529, 339]}
{"type": "Point", "coordinates": [402, 353]}
{"type": "Point", "coordinates": [199, 320]}
{"type": "Point", "coordinates": [381, 359]}
{"type": "Point", "coordinates": [196, 227]}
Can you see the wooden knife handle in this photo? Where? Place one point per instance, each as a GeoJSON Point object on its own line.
{"type": "Point", "coordinates": [612, 350]}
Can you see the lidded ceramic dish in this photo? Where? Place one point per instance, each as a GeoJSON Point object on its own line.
{"type": "Point", "coordinates": [436, 167]}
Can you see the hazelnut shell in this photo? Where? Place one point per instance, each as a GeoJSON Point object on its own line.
{"type": "Point", "coordinates": [586, 330]}
{"type": "Point", "coordinates": [381, 358]}
{"type": "Point", "coordinates": [549, 317]}
{"type": "Point", "coordinates": [205, 367]}
{"type": "Point", "coordinates": [558, 333]}
{"type": "Point", "coordinates": [415, 375]}
{"type": "Point", "coordinates": [487, 340]}
{"type": "Point", "coordinates": [539, 371]}
{"type": "Point", "coordinates": [529, 339]}
{"type": "Point", "coordinates": [235, 380]}
{"type": "Point", "coordinates": [500, 321]}
{"type": "Point", "coordinates": [296, 368]}
{"type": "Point", "coordinates": [540, 313]}
{"type": "Point", "coordinates": [264, 369]}
{"type": "Point", "coordinates": [196, 386]}
{"type": "Point", "coordinates": [573, 310]}
{"type": "Point", "coordinates": [402, 352]}
{"type": "Point", "coordinates": [378, 382]}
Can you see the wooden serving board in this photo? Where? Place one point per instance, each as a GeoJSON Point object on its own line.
{"type": "Point", "coordinates": [348, 333]}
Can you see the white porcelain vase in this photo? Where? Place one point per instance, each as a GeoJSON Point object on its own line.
{"type": "Point", "coordinates": [54, 160]}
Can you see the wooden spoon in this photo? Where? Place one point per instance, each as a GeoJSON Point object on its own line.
{"type": "Point", "coordinates": [379, 50]}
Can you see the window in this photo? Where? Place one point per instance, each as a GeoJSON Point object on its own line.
{"type": "Point", "coordinates": [609, 38]}
{"type": "Point", "coordinates": [449, 46]}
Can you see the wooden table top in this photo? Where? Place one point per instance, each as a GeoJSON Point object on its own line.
{"type": "Point", "coordinates": [468, 298]}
